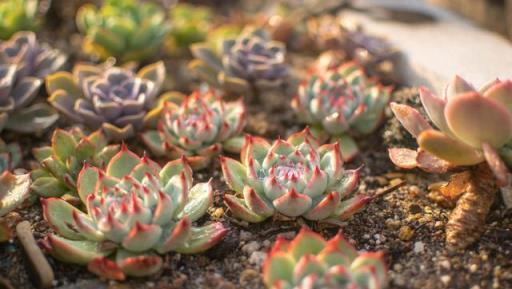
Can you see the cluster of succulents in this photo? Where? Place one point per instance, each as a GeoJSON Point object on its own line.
{"type": "Point", "coordinates": [18, 15]}
{"type": "Point", "coordinates": [474, 125]}
{"type": "Point", "coordinates": [135, 211]}
{"type": "Point", "coordinates": [129, 30]}
{"type": "Point", "coordinates": [341, 102]}
{"type": "Point", "coordinates": [199, 126]}
{"type": "Point", "coordinates": [112, 98]}
{"type": "Point", "coordinates": [309, 262]}
{"type": "Point", "coordinates": [190, 24]}
{"type": "Point", "coordinates": [61, 162]}
{"type": "Point", "coordinates": [24, 63]}
{"type": "Point", "coordinates": [250, 61]}
{"type": "Point", "coordinates": [293, 177]}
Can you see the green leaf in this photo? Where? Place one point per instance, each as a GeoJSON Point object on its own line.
{"type": "Point", "coordinates": [63, 144]}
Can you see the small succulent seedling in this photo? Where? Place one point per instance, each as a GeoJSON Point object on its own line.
{"type": "Point", "coordinates": [24, 63]}
{"type": "Point", "coordinates": [199, 126]}
{"type": "Point", "coordinates": [190, 24]}
{"type": "Point", "coordinates": [341, 102]}
{"type": "Point", "coordinates": [129, 30]}
{"type": "Point", "coordinates": [250, 61]}
{"type": "Point", "coordinates": [62, 160]}
{"type": "Point", "coordinates": [475, 127]}
{"type": "Point", "coordinates": [310, 262]}
{"type": "Point", "coordinates": [114, 99]}
{"type": "Point", "coordinates": [293, 177]}
{"type": "Point", "coordinates": [135, 211]}
{"type": "Point", "coordinates": [18, 15]}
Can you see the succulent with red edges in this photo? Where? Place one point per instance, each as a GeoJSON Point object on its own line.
{"type": "Point", "coordinates": [135, 211]}
{"type": "Point", "coordinates": [293, 177]}
{"type": "Point", "coordinates": [311, 262]}
{"type": "Point", "coordinates": [112, 98]}
{"type": "Point", "coordinates": [341, 103]}
{"type": "Point", "coordinates": [63, 159]}
{"type": "Point", "coordinates": [199, 126]}
{"type": "Point", "coordinates": [474, 127]}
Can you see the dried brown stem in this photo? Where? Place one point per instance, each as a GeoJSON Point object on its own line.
{"type": "Point", "coordinates": [467, 220]}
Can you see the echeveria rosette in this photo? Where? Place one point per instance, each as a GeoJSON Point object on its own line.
{"type": "Point", "coordinates": [293, 177]}
{"type": "Point", "coordinates": [112, 98]}
{"type": "Point", "coordinates": [341, 103]}
{"type": "Point", "coordinates": [246, 63]}
{"type": "Point", "coordinates": [474, 126]}
{"type": "Point", "coordinates": [18, 15]}
{"type": "Point", "coordinates": [199, 126]}
{"type": "Point", "coordinates": [190, 24]}
{"type": "Point", "coordinates": [129, 30]}
{"type": "Point", "coordinates": [135, 210]}
{"type": "Point", "coordinates": [63, 159]}
{"type": "Point", "coordinates": [31, 57]}
{"type": "Point", "coordinates": [24, 63]}
{"type": "Point", "coordinates": [311, 262]}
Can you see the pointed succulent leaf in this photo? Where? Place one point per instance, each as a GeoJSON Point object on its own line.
{"type": "Point", "coordinates": [138, 265]}
{"type": "Point", "coordinates": [410, 118]}
{"type": "Point", "coordinates": [200, 199]}
{"type": "Point", "coordinates": [448, 149]}
{"type": "Point", "coordinates": [74, 251]}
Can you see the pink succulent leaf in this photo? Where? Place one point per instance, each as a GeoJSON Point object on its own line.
{"type": "Point", "coordinates": [435, 109]}
{"type": "Point", "coordinates": [403, 158]}
{"type": "Point", "coordinates": [432, 164]}
{"type": "Point", "coordinates": [138, 265]}
{"type": "Point", "coordinates": [448, 149]}
{"type": "Point", "coordinates": [106, 268]}
{"type": "Point", "coordinates": [240, 210]}
{"type": "Point", "coordinates": [410, 118]}
{"type": "Point", "coordinates": [456, 87]}
{"type": "Point", "coordinates": [501, 92]}
{"type": "Point", "coordinates": [496, 164]}
{"type": "Point", "coordinates": [203, 238]}
{"type": "Point", "coordinates": [475, 119]}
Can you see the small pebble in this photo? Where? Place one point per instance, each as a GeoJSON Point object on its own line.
{"type": "Point", "coordinates": [245, 236]}
{"type": "Point", "coordinates": [419, 247]}
{"type": "Point", "coordinates": [251, 247]}
{"type": "Point", "coordinates": [446, 279]}
{"type": "Point", "coordinates": [247, 276]}
{"type": "Point", "coordinates": [473, 268]}
{"type": "Point", "coordinates": [445, 264]}
{"type": "Point", "coordinates": [405, 233]}
{"type": "Point", "coordinates": [257, 258]}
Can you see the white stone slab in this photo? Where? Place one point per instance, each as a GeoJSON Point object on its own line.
{"type": "Point", "coordinates": [435, 51]}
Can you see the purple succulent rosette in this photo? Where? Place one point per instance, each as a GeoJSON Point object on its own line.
{"type": "Point", "coordinates": [24, 62]}
{"type": "Point", "coordinates": [115, 99]}
{"type": "Point", "coordinates": [250, 61]}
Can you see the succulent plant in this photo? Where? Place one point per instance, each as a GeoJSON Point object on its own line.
{"type": "Point", "coordinates": [293, 177]}
{"type": "Point", "coordinates": [190, 24]}
{"type": "Point", "coordinates": [113, 98]}
{"type": "Point", "coordinates": [474, 127]}
{"type": "Point", "coordinates": [340, 103]}
{"type": "Point", "coordinates": [250, 61]}
{"type": "Point", "coordinates": [311, 262]}
{"type": "Point", "coordinates": [128, 30]}
{"type": "Point", "coordinates": [135, 211]}
{"type": "Point", "coordinates": [23, 64]}
{"type": "Point", "coordinates": [10, 156]}
{"type": "Point", "coordinates": [17, 15]}
{"type": "Point", "coordinates": [63, 159]}
{"type": "Point", "coordinates": [199, 126]}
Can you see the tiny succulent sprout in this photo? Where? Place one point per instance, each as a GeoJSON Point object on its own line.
{"type": "Point", "coordinates": [135, 210]}
{"type": "Point", "coordinates": [341, 102]}
{"type": "Point", "coordinates": [311, 262]}
{"type": "Point", "coordinates": [199, 126]}
{"type": "Point", "coordinates": [293, 177]}
{"type": "Point", "coordinates": [18, 15]}
{"type": "Point", "coordinates": [474, 126]}
{"type": "Point", "coordinates": [129, 30]}
{"type": "Point", "coordinates": [24, 63]}
{"type": "Point", "coordinates": [61, 162]}
{"type": "Point", "coordinates": [113, 98]}
{"type": "Point", "coordinates": [250, 61]}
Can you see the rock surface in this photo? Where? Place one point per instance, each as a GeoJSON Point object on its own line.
{"type": "Point", "coordinates": [436, 43]}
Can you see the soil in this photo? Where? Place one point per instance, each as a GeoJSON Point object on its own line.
{"type": "Point", "coordinates": [404, 223]}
